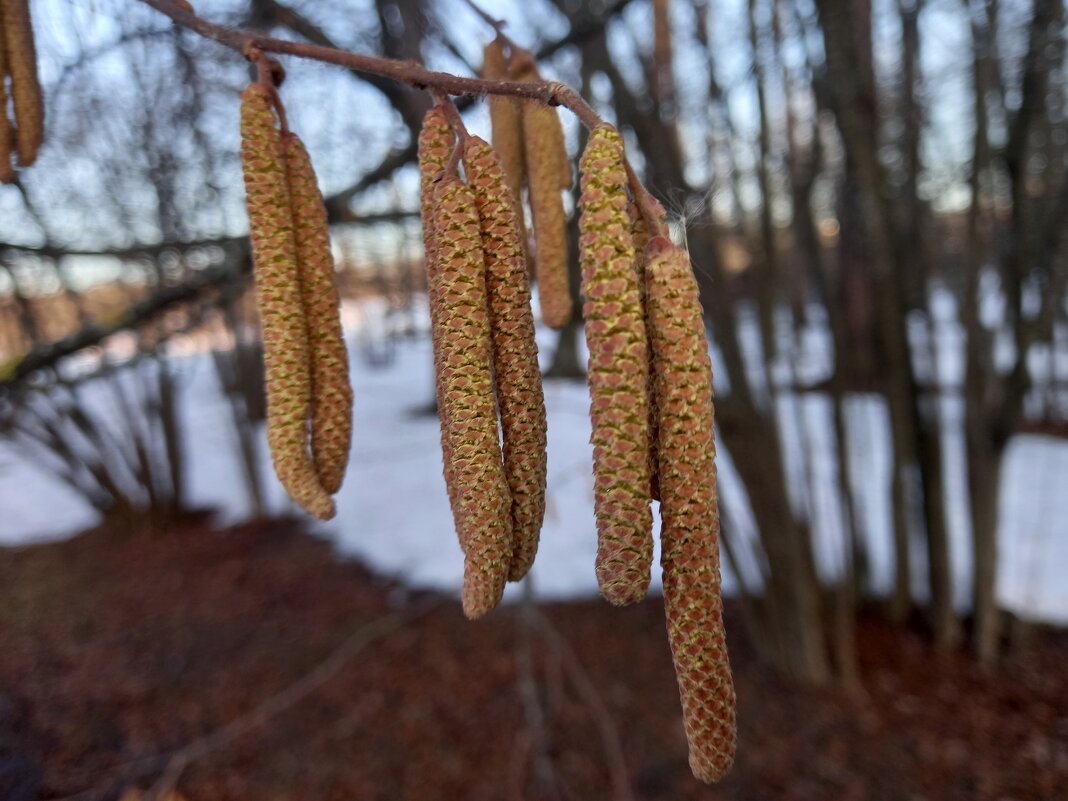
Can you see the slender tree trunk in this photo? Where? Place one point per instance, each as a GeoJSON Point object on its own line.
{"type": "Point", "coordinates": [566, 362]}
{"type": "Point", "coordinates": [984, 464]}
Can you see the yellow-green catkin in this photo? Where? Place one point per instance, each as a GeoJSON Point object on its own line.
{"type": "Point", "coordinates": [640, 236]}
{"type": "Point", "coordinates": [548, 172]}
{"type": "Point", "coordinates": [436, 142]}
{"type": "Point", "coordinates": [7, 131]}
{"type": "Point", "coordinates": [331, 393]}
{"type": "Point", "coordinates": [25, 86]}
{"type": "Point", "coordinates": [515, 353]}
{"type": "Point", "coordinates": [617, 373]}
{"type": "Point", "coordinates": [507, 127]}
{"type": "Point", "coordinates": [465, 363]}
{"type": "Point", "coordinates": [285, 338]}
{"type": "Point", "coordinates": [689, 538]}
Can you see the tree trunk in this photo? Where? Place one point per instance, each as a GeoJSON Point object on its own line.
{"type": "Point", "coordinates": [984, 467]}
{"type": "Point", "coordinates": [566, 362]}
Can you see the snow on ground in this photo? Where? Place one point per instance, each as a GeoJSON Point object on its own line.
{"type": "Point", "coordinates": [393, 512]}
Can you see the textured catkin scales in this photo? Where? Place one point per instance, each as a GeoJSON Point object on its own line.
{"type": "Point", "coordinates": [25, 87]}
{"type": "Point", "coordinates": [617, 373]}
{"type": "Point", "coordinates": [548, 172]}
{"type": "Point", "coordinates": [640, 236]}
{"type": "Point", "coordinates": [690, 533]}
{"type": "Point", "coordinates": [285, 338]}
{"type": "Point", "coordinates": [515, 353]}
{"type": "Point", "coordinates": [435, 146]}
{"type": "Point", "coordinates": [331, 392]}
{"type": "Point", "coordinates": [465, 364]}
{"type": "Point", "coordinates": [507, 127]}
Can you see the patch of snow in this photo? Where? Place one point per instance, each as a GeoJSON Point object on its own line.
{"type": "Point", "coordinates": [393, 513]}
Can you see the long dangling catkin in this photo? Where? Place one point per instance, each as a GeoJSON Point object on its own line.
{"type": "Point", "coordinates": [507, 127]}
{"type": "Point", "coordinates": [617, 373]}
{"type": "Point", "coordinates": [515, 353]}
{"type": "Point", "coordinates": [285, 338]}
{"type": "Point", "coordinates": [7, 131]}
{"type": "Point", "coordinates": [435, 146]}
{"type": "Point", "coordinates": [548, 172]}
{"type": "Point", "coordinates": [331, 396]}
{"type": "Point", "coordinates": [465, 362]}
{"type": "Point", "coordinates": [640, 236]}
{"type": "Point", "coordinates": [25, 86]}
{"type": "Point", "coordinates": [689, 537]}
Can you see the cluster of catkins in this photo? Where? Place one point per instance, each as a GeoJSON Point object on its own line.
{"type": "Point", "coordinates": [649, 370]}
{"type": "Point", "coordinates": [22, 135]}
{"type": "Point", "coordinates": [309, 397]}
{"type": "Point", "coordinates": [530, 140]}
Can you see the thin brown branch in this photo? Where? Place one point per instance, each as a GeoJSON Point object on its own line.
{"type": "Point", "coordinates": [533, 710]}
{"type": "Point", "coordinates": [452, 113]}
{"type": "Point", "coordinates": [48, 355]}
{"type": "Point", "coordinates": [584, 27]}
{"type": "Point", "coordinates": [496, 24]}
{"type": "Point", "coordinates": [652, 212]}
{"type": "Point", "coordinates": [406, 72]}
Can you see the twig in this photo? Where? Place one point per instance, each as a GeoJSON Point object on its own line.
{"type": "Point", "coordinates": [270, 81]}
{"type": "Point", "coordinates": [406, 72]}
{"type": "Point", "coordinates": [48, 355]}
{"type": "Point", "coordinates": [496, 24]}
{"type": "Point", "coordinates": [453, 115]}
{"type": "Point", "coordinates": [652, 212]}
{"type": "Point", "coordinates": [452, 166]}
{"type": "Point", "coordinates": [528, 691]}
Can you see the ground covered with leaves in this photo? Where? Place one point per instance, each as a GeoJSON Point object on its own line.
{"type": "Point", "coordinates": [250, 664]}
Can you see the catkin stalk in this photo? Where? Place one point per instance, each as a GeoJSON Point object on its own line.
{"type": "Point", "coordinates": [435, 146]}
{"type": "Point", "coordinates": [617, 373]}
{"type": "Point", "coordinates": [465, 364]}
{"type": "Point", "coordinates": [515, 352]}
{"type": "Point", "coordinates": [690, 532]}
{"type": "Point", "coordinates": [331, 392]}
{"type": "Point", "coordinates": [25, 86]}
{"type": "Point", "coordinates": [285, 338]}
{"type": "Point", "coordinates": [548, 172]}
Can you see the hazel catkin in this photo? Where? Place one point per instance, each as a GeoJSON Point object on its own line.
{"type": "Point", "coordinates": [688, 506]}
{"type": "Point", "coordinates": [435, 146]}
{"type": "Point", "coordinates": [640, 236]}
{"type": "Point", "coordinates": [515, 352]}
{"type": "Point", "coordinates": [548, 172]}
{"type": "Point", "coordinates": [331, 391]}
{"type": "Point", "coordinates": [25, 86]}
{"type": "Point", "coordinates": [465, 364]}
{"type": "Point", "coordinates": [617, 373]}
{"type": "Point", "coordinates": [285, 338]}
